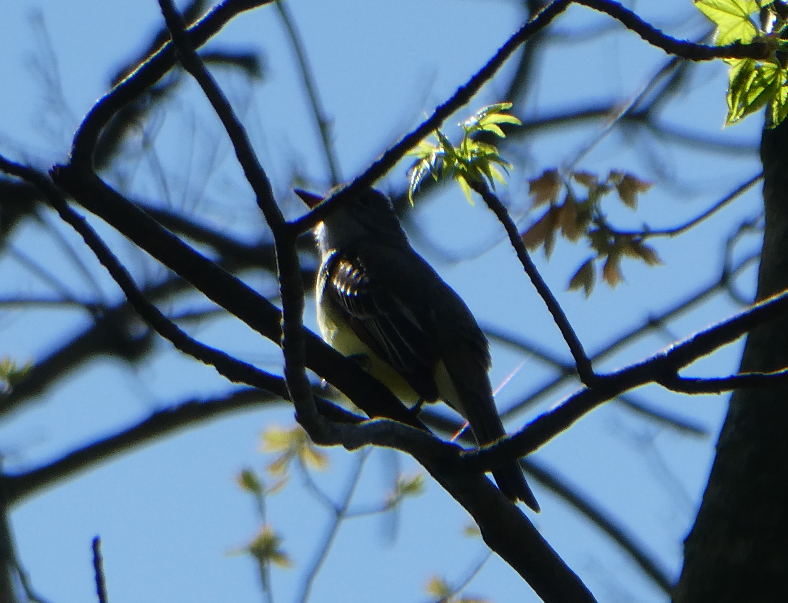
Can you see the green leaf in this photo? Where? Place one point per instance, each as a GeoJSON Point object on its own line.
{"type": "Point", "coordinates": [778, 109]}
{"type": "Point", "coordinates": [501, 118]}
{"type": "Point", "coordinates": [494, 128]}
{"type": "Point", "coordinates": [466, 188]}
{"type": "Point", "coordinates": [267, 548]}
{"type": "Point", "coordinates": [732, 18]}
{"type": "Point", "coordinates": [752, 87]}
{"type": "Point", "coordinates": [249, 481]}
{"type": "Point", "coordinates": [496, 173]}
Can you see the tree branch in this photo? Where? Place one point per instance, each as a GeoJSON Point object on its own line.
{"type": "Point", "coordinates": [288, 267]}
{"type": "Point", "coordinates": [442, 112]}
{"type": "Point", "coordinates": [661, 366]}
{"type": "Point", "coordinates": [583, 364]}
{"type": "Point", "coordinates": [147, 74]}
{"type": "Point", "coordinates": [679, 48]}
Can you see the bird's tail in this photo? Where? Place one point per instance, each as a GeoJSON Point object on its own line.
{"type": "Point", "coordinates": [478, 407]}
{"type": "Point", "coordinates": [511, 481]}
{"type": "Point", "coordinates": [467, 389]}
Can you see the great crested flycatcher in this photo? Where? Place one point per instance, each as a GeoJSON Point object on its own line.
{"type": "Point", "coordinates": [380, 301]}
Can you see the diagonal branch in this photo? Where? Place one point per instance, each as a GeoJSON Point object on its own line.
{"type": "Point", "coordinates": [226, 290]}
{"type": "Point", "coordinates": [288, 266]}
{"type": "Point", "coordinates": [679, 48]}
{"type": "Point", "coordinates": [661, 366]}
{"type": "Point", "coordinates": [233, 369]}
{"type": "Point", "coordinates": [321, 121]}
{"type": "Point", "coordinates": [441, 113]}
{"type": "Point", "coordinates": [147, 74]}
{"type": "Point", "coordinates": [583, 364]}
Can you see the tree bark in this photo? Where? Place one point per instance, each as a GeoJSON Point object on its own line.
{"type": "Point", "coordinates": [738, 548]}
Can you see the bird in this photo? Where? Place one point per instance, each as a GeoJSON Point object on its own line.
{"type": "Point", "coordinates": [381, 303]}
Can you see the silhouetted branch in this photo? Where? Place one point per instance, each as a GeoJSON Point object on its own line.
{"type": "Point", "coordinates": [583, 364]}
{"type": "Point", "coordinates": [147, 74]}
{"type": "Point", "coordinates": [321, 121]}
{"type": "Point", "coordinates": [159, 424]}
{"type": "Point", "coordinates": [98, 571]}
{"type": "Point", "coordinates": [679, 48]}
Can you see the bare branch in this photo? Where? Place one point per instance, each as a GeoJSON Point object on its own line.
{"type": "Point", "coordinates": [442, 112]}
{"type": "Point", "coordinates": [655, 369]}
{"type": "Point", "coordinates": [679, 48]}
{"type": "Point", "coordinates": [583, 364]}
{"type": "Point", "coordinates": [147, 74]}
{"type": "Point", "coordinates": [695, 385]}
{"type": "Point", "coordinates": [321, 121]}
{"type": "Point", "coordinates": [161, 423]}
{"type": "Point", "coordinates": [98, 571]}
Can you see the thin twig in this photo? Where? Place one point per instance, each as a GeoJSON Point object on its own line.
{"type": "Point", "coordinates": [288, 266]}
{"type": "Point", "coordinates": [148, 73]}
{"type": "Point", "coordinates": [321, 121]}
{"type": "Point", "coordinates": [603, 520]}
{"type": "Point", "coordinates": [584, 368]}
{"type": "Point", "coordinates": [567, 370]}
{"type": "Point", "coordinates": [233, 369]}
{"type": "Point", "coordinates": [677, 230]}
{"type": "Point", "coordinates": [340, 512]}
{"type": "Point", "coordinates": [98, 570]}
{"type": "Point", "coordinates": [718, 385]}
{"type": "Point", "coordinates": [661, 366]}
{"type": "Point", "coordinates": [158, 424]}
{"type": "Point", "coordinates": [468, 579]}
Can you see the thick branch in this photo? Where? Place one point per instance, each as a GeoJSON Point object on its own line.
{"type": "Point", "coordinates": [663, 365]}
{"type": "Point", "coordinates": [288, 267]}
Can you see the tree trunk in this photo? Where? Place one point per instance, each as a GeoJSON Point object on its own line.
{"type": "Point", "coordinates": [738, 548]}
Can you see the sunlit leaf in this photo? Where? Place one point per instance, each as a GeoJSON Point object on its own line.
{"type": "Point", "coordinates": [291, 444]}
{"type": "Point", "coordinates": [12, 373]}
{"type": "Point", "coordinates": [466, 188]}
{"type": "Point", "coordinates": [753, 86]}
{"type": "Point", "coordinates": [438, 588]}
{"type": "Point", "coordinates": [501, 118]}
{"type": "Point", "coordinates": [494, 128]}
{"type": "Point", "coordinates": [778, 110]}
{"type": "Point", "coordinates": [732, 18]}
{"type": "Point", "coordinates": [313, 457]}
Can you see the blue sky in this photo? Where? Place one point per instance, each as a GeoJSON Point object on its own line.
{"type": "Point", "coordinates": [170, 513]}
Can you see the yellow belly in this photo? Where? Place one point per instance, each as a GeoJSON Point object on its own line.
{"type": "Point", "coordinates": [342, 338]}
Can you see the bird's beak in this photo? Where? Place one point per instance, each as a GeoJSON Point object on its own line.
{"type": "Point", "coordinates": [310, 199]}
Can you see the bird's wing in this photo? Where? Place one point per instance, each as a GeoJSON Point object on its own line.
{"type": "Point", "coordinates": [381, 318]}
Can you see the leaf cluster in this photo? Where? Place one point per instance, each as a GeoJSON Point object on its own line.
{"type": "Point", "coordinates": [575, 217]}
{"type": "Point", "coordinates": [289, 445]}
{"type": "Point", "coordinates": [753, 84]}
{"type": "Point", "coordinates": [469, 162]}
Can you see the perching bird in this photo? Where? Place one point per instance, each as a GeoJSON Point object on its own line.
{"type": "Point", "coordinates": [380, 302]}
